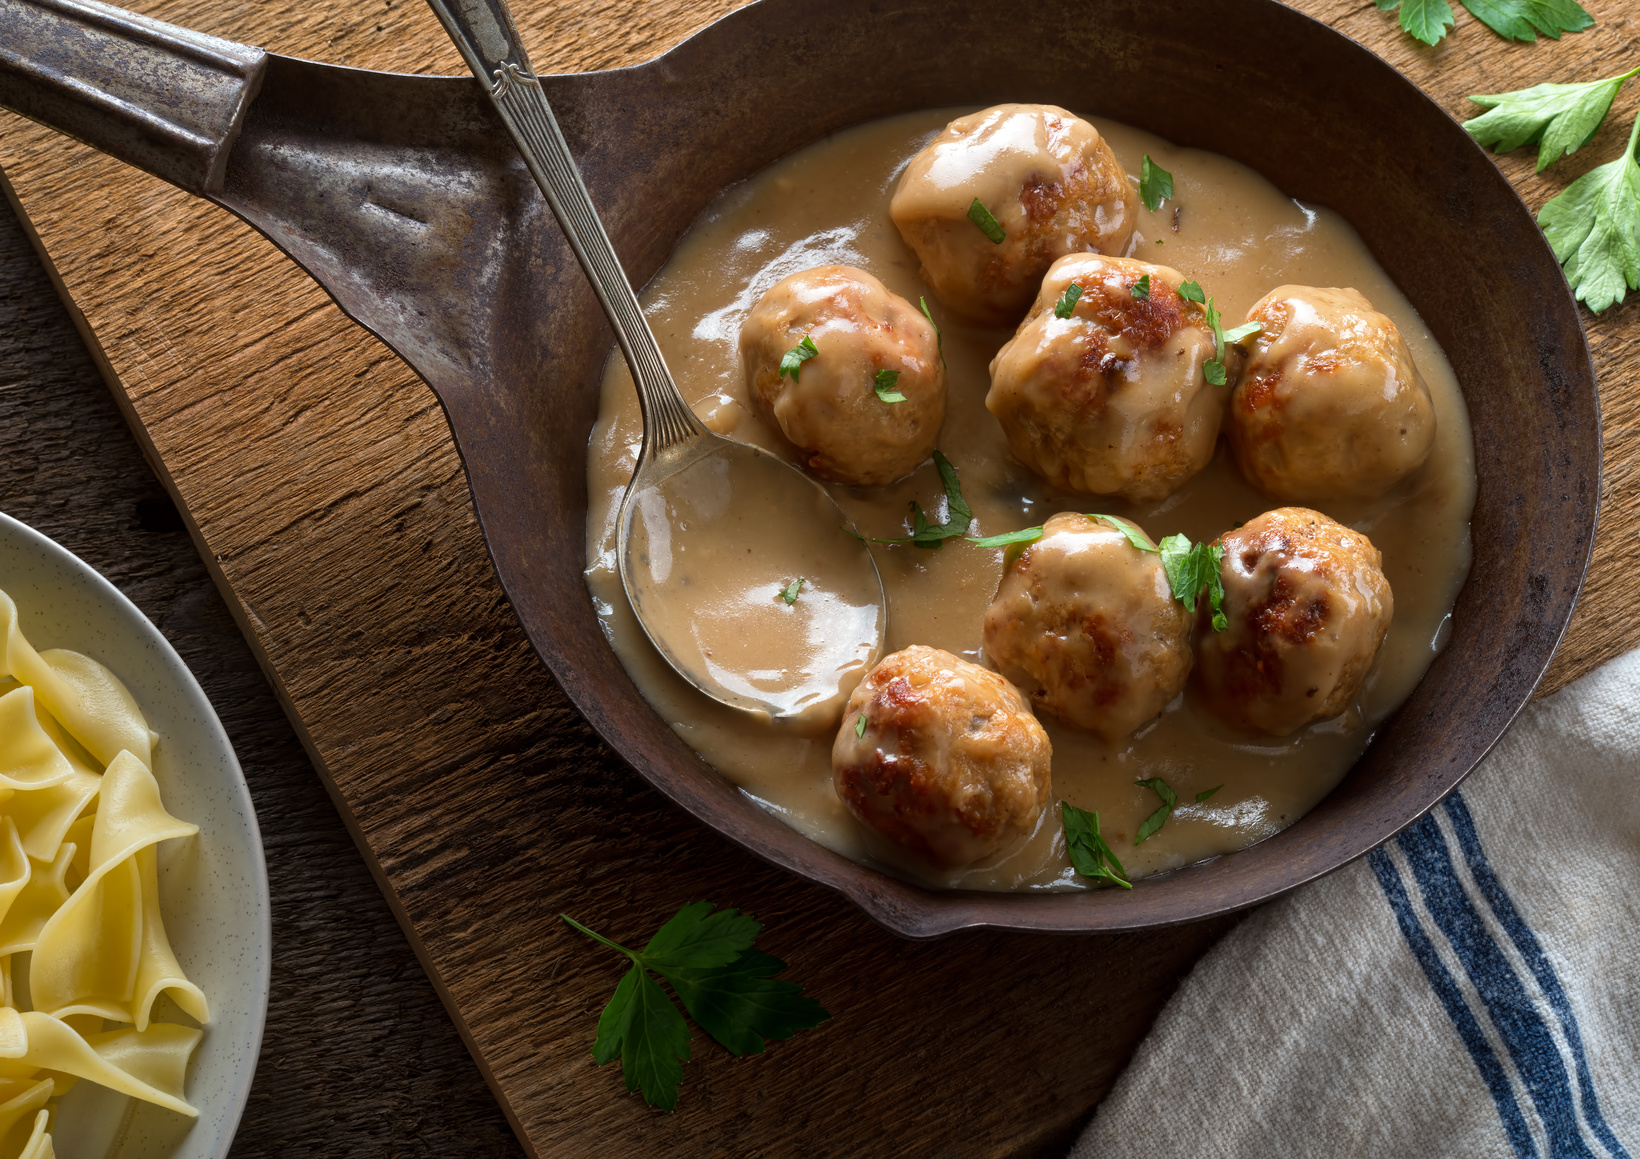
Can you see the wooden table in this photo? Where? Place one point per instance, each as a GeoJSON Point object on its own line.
{"type": "Point", "coordinates": [317, 477]}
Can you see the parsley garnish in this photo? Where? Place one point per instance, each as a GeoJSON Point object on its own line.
{"type": "Point", "coordinates": [1192, 292]}
{"type": "Point", "coordinates": [792, 364]}
{"type": "Point", "coordinates": [1213, 368]}
{"type": "Point", "coordinates": [789, 592]}
{"type": "Point", "coordinates": [860, 725]}
{"type": "Point", "coordinates": [1089, 853]}
{"type": "Point", "coordinates": [988, 225]}
{"type": "Point", "coordinates": [728, 988]}
{"type": "Point", "coordinates": [1561, 118]}
{"type": "Point", "coordinates": [933, 535]}
{"type": "Point", "coordinates": [1141, 288]}
{"type": "Point", "coordinates": [1206, 793]}
{"type": "Point", "coordinates": [1428, 20]}
{"type": "Point", "coordinates": [1192, 569]}
{"type": "Point", "coordinates": [1032, 534]}
{"type": "Point", "coordinates": [1155, 183]}
{"type": "Point", "coordinates": [939, 338]}
{"type": "Point", "coordinates": [1066, 306]}
{"type": "Point", "coordinates": [1154, 822]}
{"type": "Point", "coordinates": [884, 385]}
{"type": "Point", "coordinates": [1591, 227]}
{"type": "Point", "coordinates": [1241, 333]}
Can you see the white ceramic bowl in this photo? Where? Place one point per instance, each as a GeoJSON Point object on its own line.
{"type": "Point", "coordinates": [213, 887]}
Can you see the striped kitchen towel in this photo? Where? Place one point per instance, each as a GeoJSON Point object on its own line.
{"type": "Point", "coordinates": [1470, 989]}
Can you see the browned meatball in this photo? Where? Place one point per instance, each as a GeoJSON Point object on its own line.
{"type": "Point", "coordinates": [950, 762]}
{"type": "Point", "coordinates": [1046, 176]}
{"type": "Point", "coordinates": [1308, 607]}
{"type": "Point", "coordinates": [1113, 400]}
{"type": "Point", "coordinates": [1086, 625]}
{"type": "Point", "coordinates": [1330, 405]}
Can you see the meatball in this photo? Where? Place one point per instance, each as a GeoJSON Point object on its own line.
{"type": "Point", "coordinates": [868, 343]}
{"type": "Point", "coordinates": [1085, 624]}
{"type": "Point", "coordinates": [1114, 399]}
{"type": "Point", "coordinates": [1330, 405]}
{"type": "Point", "coordinates": [1047, 178]}
{"type": "Point", "coordinates": [949, 762]}
{"type": "Point", "coordinates": [1308, 607]}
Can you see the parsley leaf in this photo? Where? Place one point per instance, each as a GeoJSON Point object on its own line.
{"type": "Point", "coordinates": [1155, 183]}
{"type": "Point", "coordinates": [1213, 371]}
{"type": "Point", "coordinates": [1134, 536]}
{"type": "Point", "coordinates": [1148, 828]}
{"type": "Point", "coordinates": [1192, 569]}
{"type": "Point", "coordinates": [1089, 853]}
{"type": "Point", "coordinates": [792, 363]}
{"type": "Point", "coordinates": [1524, 19]}
{"type": "Point", "coordinates": [1206, 793]}
{"type": "Point", "coordinates": [1591, 226]}
{"type": "Point", "coordinates": [959, 517]}
{"type": "Point", "coordinates": [789, 592]}
{"type": "Point", "coordinates": [1425, 20]}
{"type": "Point", "coordinates": [1007, 538]}
{"type": "Point", "coordinates": [1141, 288]}
{"type": "Point", "coordinates": [1066, 306]}
{"type": "Point", "coordinates": [728, 988]}
{"type": "Point", "coordinates": [939, 338]}
{"type": "Point", "coordinates": [1192, 292]}
{"type": "Point", "coordinates": [860, 725]}
{"type": "Point", "coordinates": [988, 225]}
{"type": "Point", "coordinates": [1561, 118]}
{"type": "Point", "coordinates": [884, 385]}
{"type": "Point", "coordinates": [1242, 333]}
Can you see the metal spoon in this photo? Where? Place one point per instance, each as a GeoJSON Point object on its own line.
{"type": "Point", "coordinates": [681, 459]}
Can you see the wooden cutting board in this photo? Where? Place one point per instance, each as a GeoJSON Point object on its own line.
{"type": "Point", "coordinates": [321, 486]}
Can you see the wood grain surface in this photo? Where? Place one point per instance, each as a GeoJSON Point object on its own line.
{"type": "Point", "coordinates": [318, 479]}
{"type": "Point", "coordinates": [357, 1058]}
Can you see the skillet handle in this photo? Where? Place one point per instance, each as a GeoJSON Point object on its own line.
{"type": "Point", "coordinates": [159, 97]}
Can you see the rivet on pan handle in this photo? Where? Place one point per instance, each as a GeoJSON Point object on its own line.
{"type": "Point", "coordinates": [159, 97]}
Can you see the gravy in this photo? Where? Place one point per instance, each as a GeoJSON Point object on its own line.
{"type": "Point", "coordinates": [1227, 227]}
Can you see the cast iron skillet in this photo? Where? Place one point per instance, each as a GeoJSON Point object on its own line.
{"type": "Point", "coordinates": [402, 197]}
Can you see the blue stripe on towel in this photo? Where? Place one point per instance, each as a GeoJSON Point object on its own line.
{"type": "Point", "coordinates": [1503, 908]}
{"type": "Point", "coordinates": [1451, 998]}
{"type": "Point", "coordinates": [1514, 1014]}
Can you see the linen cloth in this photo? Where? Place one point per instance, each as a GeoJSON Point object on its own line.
{"type": "Point", "coordinates": [1470, 989]}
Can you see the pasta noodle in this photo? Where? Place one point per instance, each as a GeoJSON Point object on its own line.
{"type": "Point", "coordinates": [83, 951]}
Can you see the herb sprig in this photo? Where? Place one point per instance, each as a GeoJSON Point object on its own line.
{"type": "Point", "coordinates": [729, 989]}
{"type": "Point", "coordinates": [1428, 20]}
{"type": "Point", "coordinates": [1213, 369]}
{"type": "Point", "coordinates": [1592, 227]}
{"type": "Point", "coordinates": [1560, 118]}
{"type": "Point", "coordinates": [1091, 856]}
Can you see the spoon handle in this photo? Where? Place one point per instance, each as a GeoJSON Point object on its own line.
{"type": "Point", "coordinates": [484, 32]}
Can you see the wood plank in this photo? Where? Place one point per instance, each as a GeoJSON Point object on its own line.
{"type": "Point", "coordinates": [319, 481]}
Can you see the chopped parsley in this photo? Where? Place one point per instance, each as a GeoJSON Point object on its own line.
{"type": "Point", "coordinates": [1560, 118]}
{"type": "Point", "coordinates": [1066, 306]}
{"type": "Point", "coordinates": [1192, 569]}
{"type": "Point", "coordinates": [729, 989]}
{"type": "Point", "coordinates": [1192, 292]}
{"type": "Point", "coordinates": [1155, 183]}
{"type": "Point", "coordinates": [1089, 853]}
{"type": "Point", "coordinates": [1032, 534]}
{"type": "Point", "coordinates": [789, 592]}
{"type": "Point", "coordinates": [1206, 793]}
{"type": "Point", "coordinates": [1141, 288]}
{"type": "Point", "coordinates": [1213, 369]}
{"type": "Point", "coordinates": [1148, 828]}
{"type": "Point", "coordinates": [959, 517]}
{"type": "Point", "coordinates": [1592, 227]}
{"type": "Point", "coordinates": [860, 725]}
{"type": "Point", "coordinates": [884, 385]}
{"type": "Point", "coordinates": [792, 364]}
{"type": "Point", "coordinates": [939, 338]}
{"type": "Point", "coordinates": [988, 225]}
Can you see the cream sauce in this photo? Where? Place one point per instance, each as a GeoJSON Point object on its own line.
{"type": "Point", "coordinates": [742, 569]}
{"type": "Point", "coordinates": [1240, 237]}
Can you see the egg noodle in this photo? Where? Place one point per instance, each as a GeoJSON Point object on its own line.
{"type": "Point", "coordinates": [83, 950]}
